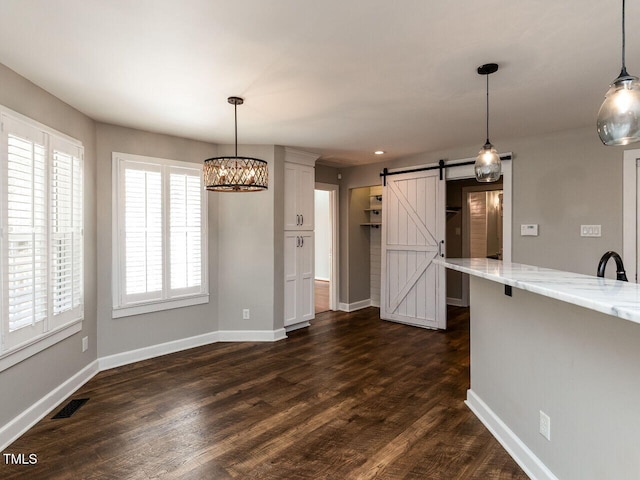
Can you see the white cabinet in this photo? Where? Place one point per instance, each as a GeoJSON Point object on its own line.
{"type": "Point", "coordinates": [299, 306]}
{"type": "Point", "coordinates": [299, 185]}
{"type": "Point", "coordinates": [299, 256]}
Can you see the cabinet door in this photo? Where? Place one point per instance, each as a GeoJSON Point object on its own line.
{"type": "Point", "coordinates": [291, 288]}
{"type": "Point", "coordinates": [291, 213]}
{"type": "Point", "coordinates": [306, 259]}
{"type": "Point", "coordinates": [305, 196]}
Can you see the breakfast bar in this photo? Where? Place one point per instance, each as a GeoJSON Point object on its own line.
{"type": "Point", "coordinates": [555, 367]}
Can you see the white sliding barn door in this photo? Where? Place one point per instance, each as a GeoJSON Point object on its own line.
{"type": "Point", "coordinates": [413, 232]}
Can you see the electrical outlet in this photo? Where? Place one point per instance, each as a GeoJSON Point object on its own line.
{"type": "Point", "coordinates": [545, 425]}
{"type": "Point", "coordinates": [85, 344]}
{"type": "Point", "coordinates": [246, 314]}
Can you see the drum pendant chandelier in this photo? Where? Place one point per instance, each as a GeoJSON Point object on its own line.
{"type": "Point", "coordinates": [235, 174]}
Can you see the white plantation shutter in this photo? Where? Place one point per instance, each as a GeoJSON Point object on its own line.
{"type": "Point", "coordinates": [26, 233]}
{"type": "Point", "coordinates": [160, 258]}
{"type": "Point", "coordinates": [41, 243]}
{"type": "Point", "coordinates": [66, 232]}
{"type": "Point", "coordinates": [142, 231]}
{"type": "Point", "coordinates": [185, 225]}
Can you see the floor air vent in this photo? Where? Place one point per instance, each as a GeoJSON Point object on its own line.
{"type": "Point", "coordinates": [70, 408]}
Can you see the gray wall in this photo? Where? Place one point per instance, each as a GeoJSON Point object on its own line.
{"type": "Point", "coordinates": [580, 367]}
{"type": "Point", "coordinates": [248, 235]}
{"type": "Point", "coordinates": [326, 174]}
{"type": "Point", "coordinates": [138, 331]}
{"type": "Point", "coordinates": [359, 246]}
{"type": "Point", "coordinates": [560, 181]}
{"type": "Point", "coordinates": [28, 381]}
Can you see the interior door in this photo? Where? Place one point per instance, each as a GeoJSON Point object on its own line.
{"type": "Point", "coordinates": [413, 232]}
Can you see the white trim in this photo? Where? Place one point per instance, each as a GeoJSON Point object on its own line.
{"type": "Point", "coordinates": [300, 157]}
{"type": "Point", "coordinates": [630, 212]}
{"type": "Point", "coordinates": [466, 171]}
{"type": "Point", "coordinates": [252, 335]}
{"type": "Point", "coordinates": [352, 307]}
{"type": "Point", "coordinates": [297, 326]}
{"type": "Point", "coordinates": [334, 210]}
{"type": "Point", "coordinates": [37, 344]}
{"type": "Point", "coordinates": [152, 351]}
{"type": "Point", "coordinates": [160, 305]}
{"type": "Point", "coordinates": [524, 457]}
{"type": "Point", "coordinates": [322, 279]}
{"type": "Point", "coordinates": [36, 412]}
{"type": "Point", "coordinates": [456, 302]}
{"type": "Point", "coordinates": [40, 126]}
{"type": "Point", "coordinates": [169, 300]}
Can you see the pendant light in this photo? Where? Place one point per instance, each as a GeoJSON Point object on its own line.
{"type": "Point", "coordinates": [235, 174]}
{"type": "Point", "coordinates": [488, 165]}
{"type": "Point", "coordinates": [619, 115]}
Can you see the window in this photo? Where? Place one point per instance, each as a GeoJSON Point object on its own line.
{"type": "Point", "coordinates": [41, 241]}
{"type": "Point", "coordinates": [160, 235]}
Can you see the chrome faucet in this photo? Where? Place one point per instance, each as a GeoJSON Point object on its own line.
{"type": "Point", "coordinates": [620, 273]}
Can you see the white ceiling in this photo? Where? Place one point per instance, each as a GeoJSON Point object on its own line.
{"type": "Point", "coordinates": [338, 77]}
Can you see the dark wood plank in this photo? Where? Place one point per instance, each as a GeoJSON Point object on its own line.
{"type": "Point", "coordinates": [351, 397]}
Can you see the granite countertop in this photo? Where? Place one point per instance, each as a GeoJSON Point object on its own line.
{"type": "Point", "coordinates": [613, 297]}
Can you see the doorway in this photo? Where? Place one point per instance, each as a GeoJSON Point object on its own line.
{"type": "Point", "coordinates": [326, 247]}
{"type": "Point", "coordinates": [475, 214]}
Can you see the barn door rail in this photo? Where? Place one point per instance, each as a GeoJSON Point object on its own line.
{"type": "Point", "coordinates": [441, 166]}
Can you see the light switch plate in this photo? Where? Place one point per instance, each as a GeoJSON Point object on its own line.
{"type": "Point", "coordinates": [529, 230]}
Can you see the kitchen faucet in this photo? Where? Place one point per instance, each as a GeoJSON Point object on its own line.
{"type": "Point", "coordinates": [620, 273]}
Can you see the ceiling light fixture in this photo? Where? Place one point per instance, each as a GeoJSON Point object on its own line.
{"type": "Point", "coordinates": [235, 174]}
{"type": "Point", "coordinates": [488, 165]}
{"type": "Point", "coordinates": [619, 115]}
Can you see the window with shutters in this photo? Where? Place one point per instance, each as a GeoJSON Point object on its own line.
{"type": "Point", "coordinates": [160, 235]}
{"type": "Point", "coordinates": [41, 241]}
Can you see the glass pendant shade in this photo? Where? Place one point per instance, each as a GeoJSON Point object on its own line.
{"type": "Point", "coordinates": [488, 166]}
{"type": "Point", "coordinates": [235, 174]}
{"type": "Point", "coordinates": [619, 116]}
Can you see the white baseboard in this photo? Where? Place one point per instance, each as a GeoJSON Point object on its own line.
{"type": "Point", "coordinates": [352, 307]}
{"type": "Point", "coordinates": [125, 358]}
{"type": "Point", "coordinates": [456, 302]}
{"type": "Point", "coordinates": [515, 447]}
{"type": "Point", "coordinates": [252, 335]}
{"type": "Point", "coordinates": [32, 415]}
{"type": "Point", "coordinates": [297, 326]}
{"type": "Point", "coordinates": [36, 412]}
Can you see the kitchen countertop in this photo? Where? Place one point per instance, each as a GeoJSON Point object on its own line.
{"type": "Point", "coordinates": [612, 297]}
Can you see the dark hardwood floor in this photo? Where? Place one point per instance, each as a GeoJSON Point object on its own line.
{"type": "Point", "coordinates": [321, 296]}
{"type": "Point", "coordinates": [351, 397]}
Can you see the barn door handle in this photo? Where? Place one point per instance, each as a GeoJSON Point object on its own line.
{"type": "Point", "coordinates": [440, 248]}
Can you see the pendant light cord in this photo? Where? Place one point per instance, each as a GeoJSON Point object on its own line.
{"type": "Point", "coordinates": [623, 73]}
{"type": "Point", "coordinates": [235, 115]}
{"type": "Point", "coordinates": [487, 109]}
